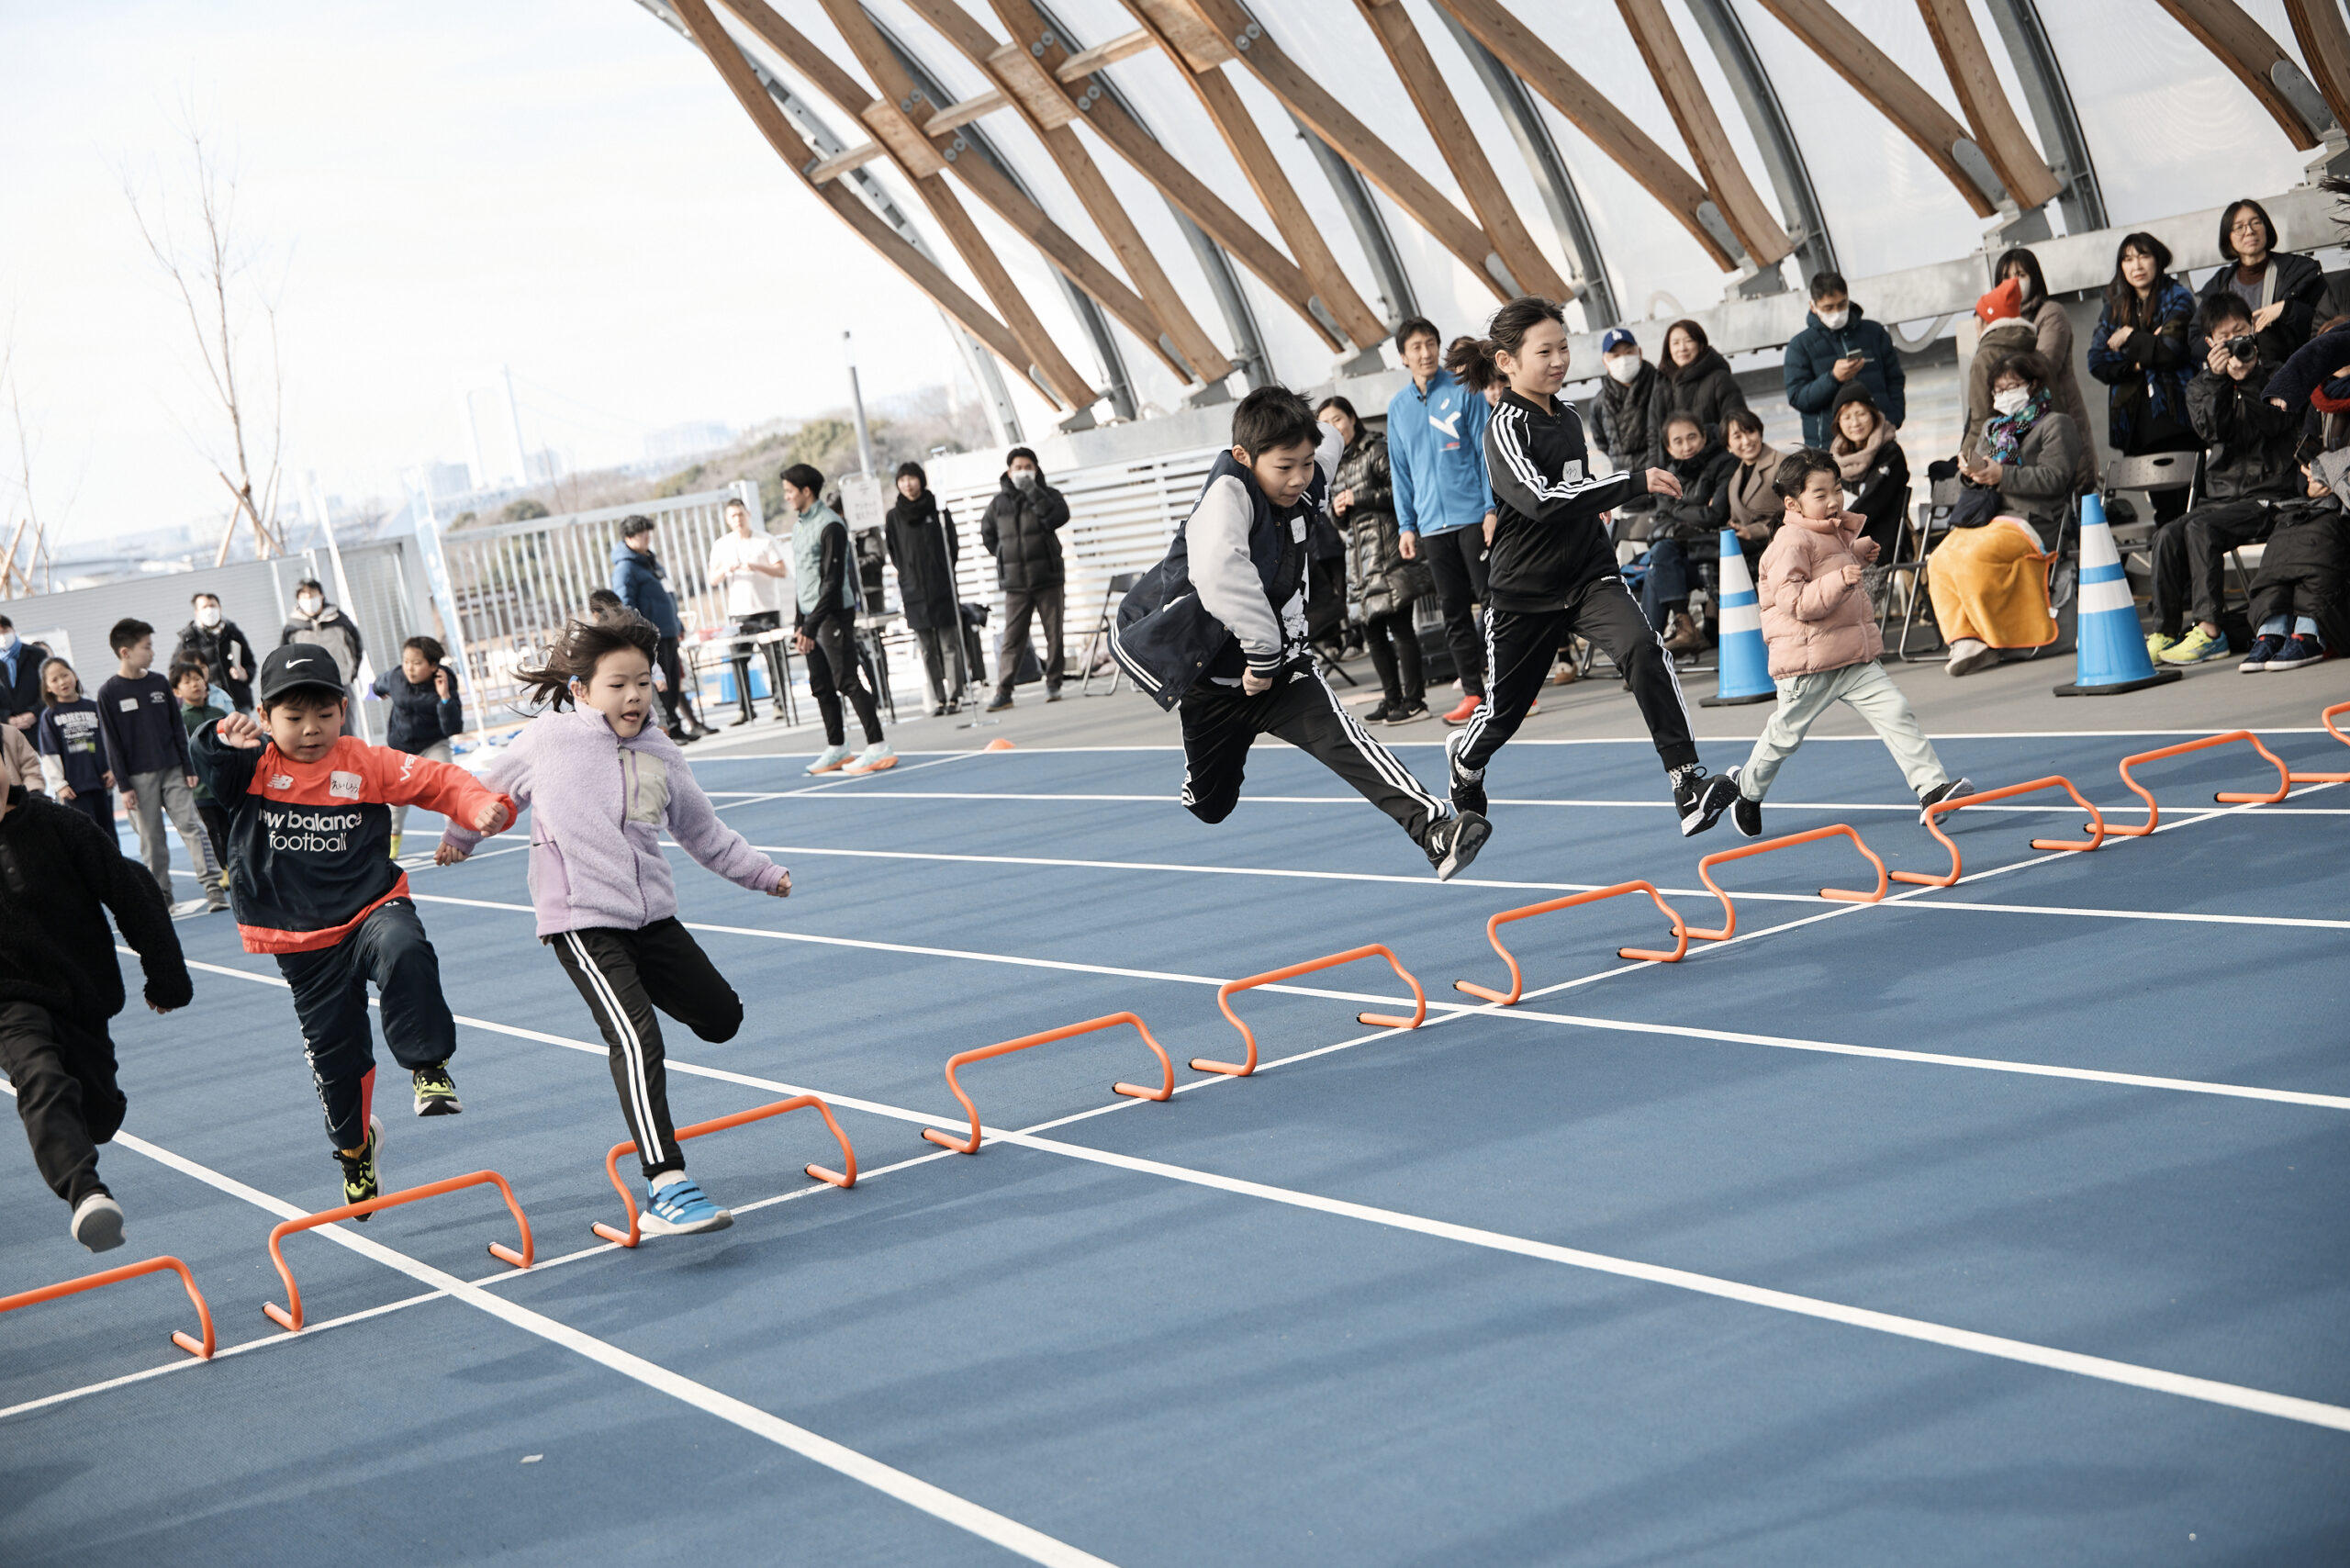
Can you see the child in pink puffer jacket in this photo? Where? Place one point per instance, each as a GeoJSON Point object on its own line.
{"type": "Point", "coordinates": [1824, 641]}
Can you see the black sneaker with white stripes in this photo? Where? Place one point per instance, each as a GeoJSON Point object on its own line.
{"type": "Point", "coordinates": [1928, 800]}
{"type": "Point", "coordinates": [1468, 789]}
{"type": "Point", "coordinates": [1745, 814]}
{"type": "Point", "coordinates": [1453, 843]}
{"type": "Point", "coordinates": [1701, 801]}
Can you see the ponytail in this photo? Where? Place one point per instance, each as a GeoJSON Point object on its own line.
{"type": "Point", "coordinates": [582, 645]}
{"type": "Point", "coordinates": [1470, 361]}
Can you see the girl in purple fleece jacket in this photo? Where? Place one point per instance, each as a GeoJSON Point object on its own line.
{"type": "Point", "coordinates": [602, 787]}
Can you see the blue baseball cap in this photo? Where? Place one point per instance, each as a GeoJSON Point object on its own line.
{"type": "Point", "coordinates": [1616, 338]}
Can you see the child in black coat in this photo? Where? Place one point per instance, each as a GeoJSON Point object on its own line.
{"type": "Point", "coordinates": [426, 713]}
{"type": "Point", "coordinates": [59, 983]}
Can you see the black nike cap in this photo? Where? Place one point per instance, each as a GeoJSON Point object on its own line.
{"type": "Point", "coordinates": [297, 666]}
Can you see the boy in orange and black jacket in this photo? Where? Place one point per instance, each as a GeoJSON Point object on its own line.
{"type": "Point", "coordinates": [312, 876]}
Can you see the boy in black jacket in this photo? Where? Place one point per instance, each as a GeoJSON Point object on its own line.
{"type": "Point", "coordinates": [146, 748]}
{"type": "Point", "coordinates": [1552, 571]}
{"type": "Point", "coordinates": [59, 983]}
{"type": "Point", "coordinates": [1219, 627]}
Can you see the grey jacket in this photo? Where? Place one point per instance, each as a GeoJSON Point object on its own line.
{"type": "Point", "coordinates": [2039, 484]}
{"type": "Point", "coordinates": [1226, 577]}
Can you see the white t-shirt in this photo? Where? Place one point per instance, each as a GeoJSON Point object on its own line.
{"type": "Point", "coordinates": [750, 593]}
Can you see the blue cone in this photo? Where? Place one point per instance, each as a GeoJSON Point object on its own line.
{"type": "Point", "coordinates": [1744, 663]}
{"type": "Point", "coordinates": [2110, 652]}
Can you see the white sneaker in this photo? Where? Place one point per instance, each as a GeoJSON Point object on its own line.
{"type": "Point", "coordinates": [873, 759]}
{"type": "Point", "coordinates": [829, 759]}
{"type": "Point", "coordinates": [1967, 656]}
{"type": "Point", "coordinates": [97, 1223]}
{"type": "Point", "coordinates": [187, 907]}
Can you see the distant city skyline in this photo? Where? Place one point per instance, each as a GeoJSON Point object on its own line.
{"type": "Point", "coordinates": [565, 190]}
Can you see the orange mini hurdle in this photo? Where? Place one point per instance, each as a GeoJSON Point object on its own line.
{"type": "Point", "coordinates": [2226, 797]}
{"type": "Point", "coordinates": [201, 1350]}
{"type": "Point", "coordinates": [292, 1321]}
{"type": "Point", "coordinates": [2327, 718]}
{"type": "Point", "coordinates": [1274, 977]}
{"type": "Point", "coordinates": [2096, 828]}
{"type": "Point", "coordinates": [630, 1237]}
{"type": "Point", "coordinates": [1517, 980]}
{"type": "Point", "coordinates": [1810, 836]}
{"type": "Point", "coordinates": [1166, 1091]}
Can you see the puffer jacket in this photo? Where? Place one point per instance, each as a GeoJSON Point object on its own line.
{"type": "Point", "coordinates": [1021, 530]}
{"type": "Point", "coordinates": [1703, 509]}
{"type": "Point", "coordinates": [1813, 622]}
{"type": "Point", "coordinates": [2298, 283]}
{"type": "Point", "coordinates": [1705, 389]}
{"type": "Point", "coordinates": [2038, 486]}
{"type": "Point", "coordinates": [1381, 579]}
{"type": "Point", "coordinates": [2045, 328]}
{"type": "Point", "coordinates": [2254, 442]}
{"type": "Point", "coordinates": [1627, 421]}
{"type": "Point", "coordinates": [2146, 378]}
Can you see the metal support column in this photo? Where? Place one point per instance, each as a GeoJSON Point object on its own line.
{"type": "Point", "coordinates": [1782, 156]}
{"type": "Point", "coordinates": [2050, 102]}
{"type": "Point", "coordinates": [1370, 229]}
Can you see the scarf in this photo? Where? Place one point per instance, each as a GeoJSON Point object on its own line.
{"type": "Point", "coordinates": [1752, 499]}
{"type": "Point", "coordinates": [1854, 461]}
{"type": "Point", "coordinates": [2005, 432]}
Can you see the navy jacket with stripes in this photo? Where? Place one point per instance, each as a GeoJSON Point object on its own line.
{"type": "Point", "coordinates": [1551, 538]}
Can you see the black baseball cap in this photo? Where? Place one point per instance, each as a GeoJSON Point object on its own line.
{"type": "Point", "coordinates": [298, 667]}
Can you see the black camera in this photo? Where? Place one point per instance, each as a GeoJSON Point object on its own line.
{"type": "Point", "coordinates": [2243, 350]}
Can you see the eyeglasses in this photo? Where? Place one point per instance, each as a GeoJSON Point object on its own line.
{"type": "Point", "coordinates": [2252, 226]}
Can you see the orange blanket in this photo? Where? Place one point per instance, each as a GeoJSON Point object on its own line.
{"type": "Point", "coordinates": [1991, 584]}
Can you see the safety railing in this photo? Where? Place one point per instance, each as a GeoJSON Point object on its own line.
{"type": "Point", "coordinates": [1516, 976]}
{"type": "Point", "coordinates": [2226, 797]}
{"type": "Point", "coordinates": [2096, 828]}
{"type": "Point", "coordinates": [292, 1321]}
{"type": "Point", "coordinates": [2327, 718]}
{"type": "Point", "coordinates": [1728, 927]}
{"type": "Point", "coordinates": [1166, 1091]}
{"type": "Point", "coordinates": [1225, 993]}
{"type": "Point", "coordinates": [200, 1349]}
{"type": "Point", "coordinates": [843, 1178]}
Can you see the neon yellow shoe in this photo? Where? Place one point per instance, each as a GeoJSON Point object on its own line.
{"type": "Point", "coordinates": [396, 846]}
{"type": "Point", "coordinates": [2197, 647]}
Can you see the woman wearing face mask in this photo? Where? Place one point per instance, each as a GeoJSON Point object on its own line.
{"type": "Point", "coordinates": [1989, 582]}
{"type": "Point", "coordinates": [316, 620]}
{"type": "Point", "coordinates": [1628, 419]}
{"type": "Point", "coordinates": [2143, 354]}
{"type": "Point", "coordinates": [2023, 317]}
{"type": "Point", "coordinates": [222, 646]}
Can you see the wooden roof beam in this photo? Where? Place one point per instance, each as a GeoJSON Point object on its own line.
{"type": "Point", "coordinates": [1440, 111]}
{"type": "Point", "coordinates": [918, 269]}
{"type": "Point", "coordinates": [2244, 46]}
{"type": "Point", "coordinates": [1897, 95]}
{"type": "Point", "coordinates": [1998, 129]}
{"type": "Point", "coordinates": [2326, 44]}
{"type": "Point", "coordinates": [1734, 196]}
{"type": "Point", "coordinates": [1587, 109]}
{"type": "Point", "coordinates": [1198, 55]}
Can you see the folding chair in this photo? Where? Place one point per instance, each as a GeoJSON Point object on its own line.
{"type": "Point", "coordinates": [2150, 474]}
{"type": "Point", "coordinates": [1096, 643]}
{"type": "Point", "coordinates": [1921, 531]}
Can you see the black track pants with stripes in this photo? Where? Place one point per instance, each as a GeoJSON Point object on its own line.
{"type": "Point", "coordinates": [1220, 723]}
{"type": "Point", "coordinates": [1520, 647]}
{"type": "Point", "coordinates": [624, 975]}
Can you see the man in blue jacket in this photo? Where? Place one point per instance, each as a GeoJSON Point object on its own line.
{"type": "Point", "coordinates": [639, 578]}
{"type": "Point", "coordinates": [1840, 345]}
{"type": "Point", "coordinates": [1436, 455]}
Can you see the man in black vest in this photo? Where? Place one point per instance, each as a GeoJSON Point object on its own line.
{"type": "Point", "coordinates": [1219, 627]}
{"type": "Point", "coordinates": [21, 665]}
{"type": "Point", "coordinates": [1021, 530]}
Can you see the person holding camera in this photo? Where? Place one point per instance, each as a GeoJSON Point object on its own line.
{"type": "Point", "coordinates": [2251, 470]}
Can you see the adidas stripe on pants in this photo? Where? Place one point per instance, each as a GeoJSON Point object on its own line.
{"type": "Point", "coordinates": [623, 976]}
{"type": "Point", "coordinates": [1520, 647]}
{"type": "Point", "coordinates": [1220, 723]}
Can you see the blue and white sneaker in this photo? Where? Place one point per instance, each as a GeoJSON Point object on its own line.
{"type": "Point", "coordinates": [2264, 648]}
{"type": "Point", "coordinates": [680, 1209]}
{"type": "Point", "coordinates": [2298, 652]}
{"type": "Point", "coordinates": [829, 760]}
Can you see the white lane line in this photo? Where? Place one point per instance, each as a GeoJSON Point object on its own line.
{"type": "Point", "coordinates": [911, 1490]}
{"type": "Point", "coordinates": [2210, 1391]}
{"type": "Point", "coordinates": [1051, 797]}
{"type": "Point", "coordinates": [1030, 750]}
{"type": "Point", "coordinates": [1701, 893]}
{"type": "Point", "coordinates": [827, 783]}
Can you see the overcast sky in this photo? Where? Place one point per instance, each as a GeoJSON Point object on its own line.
{"type": "Point", "coordinates": [444, 186]}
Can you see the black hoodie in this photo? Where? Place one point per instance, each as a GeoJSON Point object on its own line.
{"type": "Point", "coordinates": [58, 875]}
{"type": "Point", "coordinates": [1550, 540]}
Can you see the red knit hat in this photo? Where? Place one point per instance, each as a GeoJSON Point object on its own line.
{"type": "Point", "coordinates": [2004, 302]}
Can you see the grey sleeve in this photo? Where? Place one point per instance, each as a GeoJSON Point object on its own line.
{"type": "Point", "coordinates": [1326, 455]}
{"type": "Point", "coordinates": [1217, 538]}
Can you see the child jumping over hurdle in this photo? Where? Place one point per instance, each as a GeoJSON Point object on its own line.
{"type": "Point", "coordinates": [1552, 573]}
{"type": "Point", "coordinates": [310, 874]}
{"type": "Point", "coordinates": [1824, 641]}
{"type": "Point", "coordinates": [605, 785]}
{"type": "Point", "coordinates": [1218, 629]}
{"type": "Point", "coordinates": [60, 982]}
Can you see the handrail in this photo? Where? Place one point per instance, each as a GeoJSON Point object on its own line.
{"type": "Point", "coordinates": [2096, 828]}
{"type": "Point", "coordinates": [2154, 811]}
{"type": "Point", "coordinates": [2327, 718]}
{"type": "Point", "coordinates": [1225, 993]}
{"type": "Point", "coordinates": [1517, 980]}
{"type": "Point", "coordinates": [200, 1350]}
{"type": "Point", "coordinates": [292, 1321]}
{"type": "Point", "coordinates": [1166, 1091]}
{"type": "Point", "coordinates": [632, 1235]}
{"type": "Point", "coordinates": [1810, 835]}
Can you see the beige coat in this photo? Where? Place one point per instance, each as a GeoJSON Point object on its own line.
{"type": "Point", "coordinates": [1813, 621]}
{"type": "Point", "coordinates": [2044, 328]}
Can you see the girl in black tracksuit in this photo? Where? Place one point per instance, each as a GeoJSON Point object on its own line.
{"type": "Point", "coordinates": [1552, 570]}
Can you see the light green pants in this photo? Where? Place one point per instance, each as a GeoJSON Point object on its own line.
{"type": "Point", "coordinates": [1870, 692]}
